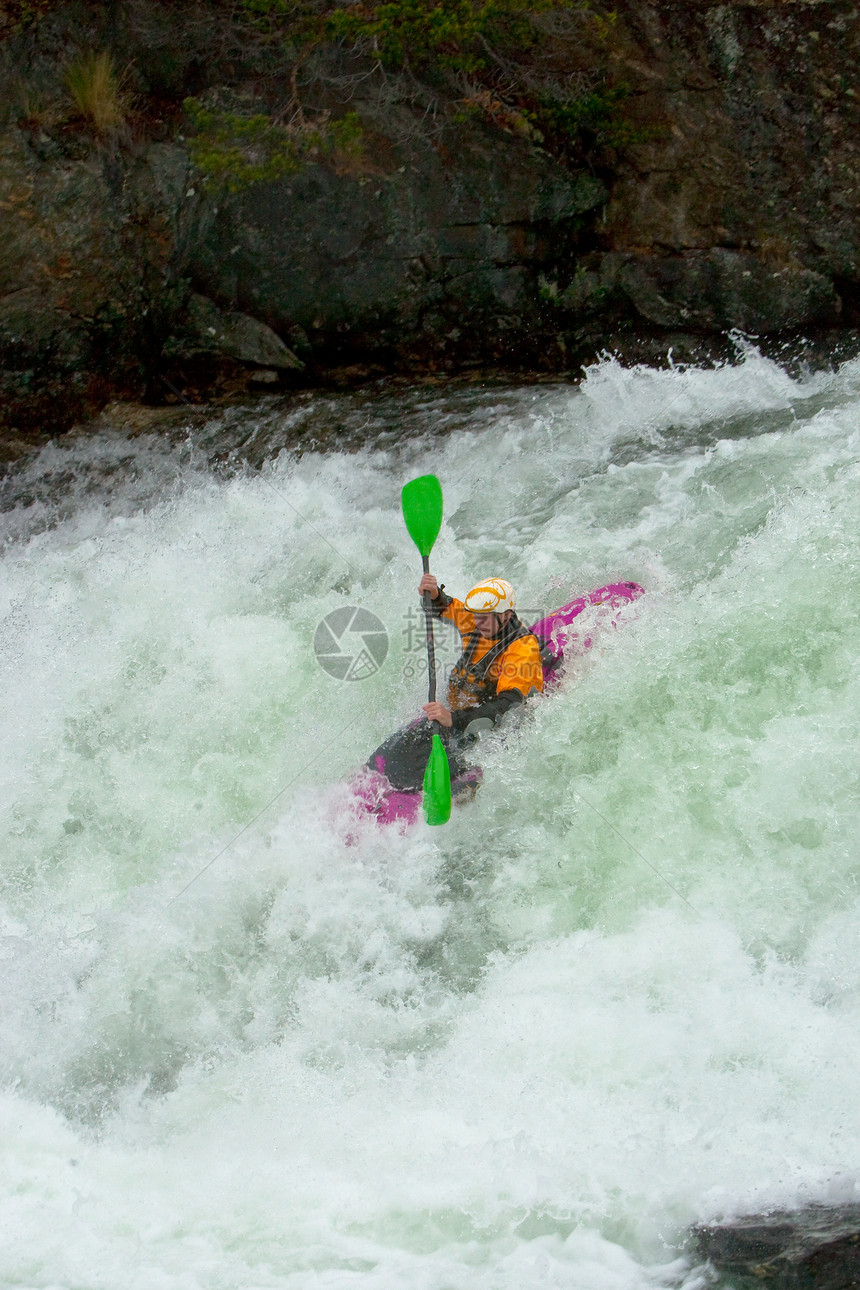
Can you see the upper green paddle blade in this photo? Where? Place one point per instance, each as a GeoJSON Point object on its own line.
{"type": "Point", "coordinates": [422, 511]}
{"type": "Point", "coordinates": [437, 785]}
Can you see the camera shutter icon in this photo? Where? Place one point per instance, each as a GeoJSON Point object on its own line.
{"type": "Point", "coordinates": [351, 643]}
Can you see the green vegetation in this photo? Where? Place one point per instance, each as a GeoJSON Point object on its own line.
{"type": "Point", "coordinates": [456, 36]}
{"type": "Point", "coordinates": [597, 118]}
{"type": "Point", "coordinates": [233, 151]}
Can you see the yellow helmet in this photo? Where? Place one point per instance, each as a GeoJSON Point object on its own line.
{"type": "Point", "coordinates": [492, 596]}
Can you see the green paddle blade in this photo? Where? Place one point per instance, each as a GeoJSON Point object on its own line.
{"type": "Point", "coordinates": [437, 785]}
{"type": "Point", "coordinates": [422, 511]}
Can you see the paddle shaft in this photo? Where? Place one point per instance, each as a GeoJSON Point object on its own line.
{"type": "Point", "coordinates": [431, 647]}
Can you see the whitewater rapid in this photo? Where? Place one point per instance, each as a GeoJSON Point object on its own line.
{"type": "Point", "coordinates": [246, 1041]}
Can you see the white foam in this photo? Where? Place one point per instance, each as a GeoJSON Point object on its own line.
{"type": "Point", "coordinates": [614, 996]}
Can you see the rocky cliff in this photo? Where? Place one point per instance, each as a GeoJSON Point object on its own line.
{"type": "Point", "coordinates": [697, 170]}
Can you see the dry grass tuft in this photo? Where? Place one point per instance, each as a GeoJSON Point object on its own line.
{"type": "Point", "coordinates": [97, 91]}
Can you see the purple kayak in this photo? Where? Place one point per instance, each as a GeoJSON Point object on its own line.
{"type": "Point", "coordinates": [561, 637]}
{"type": "Point", "coordinates": [560, 633]}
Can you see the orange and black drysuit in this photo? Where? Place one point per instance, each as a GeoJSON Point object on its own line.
{"type": "Point", "coordinates": [490, 676]}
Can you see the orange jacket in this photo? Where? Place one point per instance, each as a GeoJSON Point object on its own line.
{"type": "Point", "coordinates": [517, 668]}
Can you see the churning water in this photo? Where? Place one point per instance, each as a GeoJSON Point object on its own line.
{"type": "Point", "coordinates": [617, 994]}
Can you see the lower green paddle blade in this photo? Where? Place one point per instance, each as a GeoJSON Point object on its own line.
{"type": "Point", "coordinates": [422, 510]}
{"type": "Point", "coordinates": [437, 785]}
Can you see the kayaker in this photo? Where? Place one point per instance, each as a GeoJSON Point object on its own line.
{"type": "Point", "coordinates": [499, 668]}
{"type": "Point", "coordinates": [500, 665]}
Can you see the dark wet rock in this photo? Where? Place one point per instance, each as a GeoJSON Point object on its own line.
{"type": "Point", "coordinates": [718, 290]}
{"type": "Point", "coordinates": [813, 1249]}
{"type": "Point", "coordinates": [440, 252]}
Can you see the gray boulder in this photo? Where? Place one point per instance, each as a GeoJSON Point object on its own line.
{"type": "Point", "coordinates": [235, 335]}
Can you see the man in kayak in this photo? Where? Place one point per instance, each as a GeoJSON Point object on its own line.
{"type": "Point", "coordinates": [499, 668]}
{"type": "Point", "coordinates": [500, 665]}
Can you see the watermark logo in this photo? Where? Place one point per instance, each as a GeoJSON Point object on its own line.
{"type": "Point", "coordinates": [351, 644]}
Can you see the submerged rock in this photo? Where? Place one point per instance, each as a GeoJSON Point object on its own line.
{"type": "Point", "coordinates": [812, 1249]}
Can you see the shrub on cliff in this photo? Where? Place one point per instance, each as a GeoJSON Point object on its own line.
{"type": "Point", "coordinates": [505, 61]}
{"type": "Point", "coordinates": [232, 149]}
